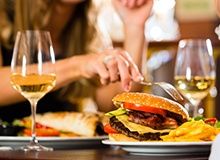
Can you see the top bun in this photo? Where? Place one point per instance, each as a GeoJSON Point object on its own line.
{"type": "Point", "coordinates": [151, 101]}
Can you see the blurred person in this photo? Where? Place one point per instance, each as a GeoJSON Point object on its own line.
{"type": "Point", "coordinates": [81, 52]}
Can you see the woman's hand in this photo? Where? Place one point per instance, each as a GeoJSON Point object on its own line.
{"type": "Point", "coordinates": [133, 12]}
{"type": "Point", "coordinates": [111, 66]}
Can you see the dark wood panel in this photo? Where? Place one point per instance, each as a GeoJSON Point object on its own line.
{"type": "Point", "coordinates": [201, 29]}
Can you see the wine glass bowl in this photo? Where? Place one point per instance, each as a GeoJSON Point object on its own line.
{"type": "Point", "coordinates": [33, 72]}
{"type": "Point", "coordinates": [194, 70]}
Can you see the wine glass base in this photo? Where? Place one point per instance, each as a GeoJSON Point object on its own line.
{"type": "Point", "coordinates": [35, 147]}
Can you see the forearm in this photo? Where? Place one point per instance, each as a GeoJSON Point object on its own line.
{"type": "Point", "coordinates": [134, 43]}
{"type": "Point", "coordinates": [8, 94]}
{"type": "Point", "coordinates": [66, 72]}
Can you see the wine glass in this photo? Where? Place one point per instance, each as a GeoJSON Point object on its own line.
{"type": "Point", "coordinates": [194, 71]}
{"type": "Point", "coordinates": [33, 72]}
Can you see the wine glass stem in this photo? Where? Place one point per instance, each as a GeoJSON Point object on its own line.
{"type": "Point", "coordinates": [195, 107]}
{"type": "Point", "coordinates": [33, 103]}
{"type": "Point", "coordinates": [195, 111]}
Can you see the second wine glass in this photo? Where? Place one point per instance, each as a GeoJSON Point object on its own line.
{"type": "Point", "coordinates": [194, 70]}
{"type": "Point", "coordinates": [33, 72]}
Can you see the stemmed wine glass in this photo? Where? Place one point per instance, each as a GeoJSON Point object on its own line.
{"type": "Point", "coordinates": [194, 70]}
{"type": "Point", "coordinates": [33, 72]}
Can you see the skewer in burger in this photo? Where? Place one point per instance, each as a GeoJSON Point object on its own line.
{"type": "Point", "coordinates": [143, 117]}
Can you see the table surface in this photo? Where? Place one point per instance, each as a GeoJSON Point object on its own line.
{"type": "Point", "coordinates": [91, 154]}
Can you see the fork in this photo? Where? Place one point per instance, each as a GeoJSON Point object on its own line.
{"type": "Point", "coordinates": [169, 88]}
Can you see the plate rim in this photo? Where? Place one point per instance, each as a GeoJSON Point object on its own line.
{"type": "Point", "coordinates": [161, 148]}
{"type": "Point", "coordinates": [153, 143]}
{"type": "Point", "coordinates": [21, 138]}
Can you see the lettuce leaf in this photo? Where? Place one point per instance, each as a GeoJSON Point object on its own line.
{"type": "Point", "coordinates": [118, 112]}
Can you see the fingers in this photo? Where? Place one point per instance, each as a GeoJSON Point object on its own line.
{"type": "Point", "coordinates": [134, 71]}
{"type": "Point", "coordinates": [112, 67]}
{"type": "Point", "coordinates": [102, 72]}
{"type": "Point", "coordinates": [133, 3]}
{"type": "Point", "coordinates": [123, 66]}
{"type": "Point", "coordinates": [124, 2]}
{"type": "Point", "coordinates": [140, 2]}
{"type": "Point", "coordinates": [118, 69]}
{"type": "Point", "coordinates": [115, 65]}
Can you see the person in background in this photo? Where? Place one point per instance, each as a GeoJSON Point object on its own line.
{"type": "Point", "coordinates": [82, 53]}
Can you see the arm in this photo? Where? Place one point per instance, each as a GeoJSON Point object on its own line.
{"type": "Point", "coordinates": [64, 76]}
{"type": "Point", "coordinates": [134, 15]}
{"type": "Point", "coordinates": [74, 68]}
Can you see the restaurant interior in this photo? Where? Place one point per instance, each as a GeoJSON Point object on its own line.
{"type": "Point", "coordinates": [170, 22]}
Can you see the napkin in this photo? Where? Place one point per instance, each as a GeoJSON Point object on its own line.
{"type": "Point", "coordinates": [215, 150]}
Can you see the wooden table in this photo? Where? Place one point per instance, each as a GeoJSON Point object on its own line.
{"type": "Point", "coordinates": [90, 154]}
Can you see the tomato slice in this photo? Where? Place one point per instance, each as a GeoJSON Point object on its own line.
{"type": "Point", "coordinates": [108, 129]}
{"type": "Point", "coordinates": [144, 109]}
{"type": "Point", "coordinates": [38, 125]}
{"type": "Point", "coordinates": [42, 132]}
{"type": "Point", "coordinates": [211, 121]}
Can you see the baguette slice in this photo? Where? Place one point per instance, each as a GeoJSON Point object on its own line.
{"type": "Point", "coordinates": [83, 124]}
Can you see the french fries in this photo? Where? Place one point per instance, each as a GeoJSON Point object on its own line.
{"type": "Point", "coordinates": [193, 131]}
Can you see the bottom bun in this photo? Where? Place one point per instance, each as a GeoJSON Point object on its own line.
{"type": "Point", "coordinates": [121, 137]}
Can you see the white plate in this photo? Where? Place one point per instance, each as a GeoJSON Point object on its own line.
{"type": "Point", "coordinates": [163, 148]}
{"type": "Point", "coordinates": [54, 142]}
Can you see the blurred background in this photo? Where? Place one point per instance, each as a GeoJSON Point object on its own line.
{"type": "Point", "coordinates": [171, 20]}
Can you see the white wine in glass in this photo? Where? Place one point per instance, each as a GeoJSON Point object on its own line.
{"type": "Point", "coordinates": [33, 73]}
{"type": "Point", "coordinates": [194, 70]}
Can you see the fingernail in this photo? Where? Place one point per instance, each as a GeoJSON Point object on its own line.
{"type": "Point", "coordinates": [103, 82]}
{"type": "Point", "coordinates": [140, 78]}
{"type": "Point", "coordinates": [124, 2]}
{"type": "Point", "coordinates": [127, 87]}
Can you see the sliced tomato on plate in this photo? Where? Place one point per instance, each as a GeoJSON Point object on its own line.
{"type": "Point", "coordinates": [38, 125]}
{"type": "Point", "coordinates": [42, 132]}
{"type": "Point", "coordinates": [211, 121]}
{"type": "Point", "coordinates": [144, 108]}
{"type": "Point", "coordinates": [108, 129]}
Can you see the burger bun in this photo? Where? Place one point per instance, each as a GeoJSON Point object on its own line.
{"type": "Point", "coordinates": [150, 100]}
{"type": "Point", "coordinates": [121, 138]}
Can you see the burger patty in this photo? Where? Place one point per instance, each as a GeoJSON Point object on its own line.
{"type": "Point", "coordinates": [147, 119]}
{"type": "Point", "coordinates": [177, 117]}
{"type": "Point", "coordinates": [116, 124]}
{"type": "Point", "coordinates": [155, 121]}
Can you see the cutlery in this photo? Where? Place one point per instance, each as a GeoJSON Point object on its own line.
{"type": "Point", "coordinates": [168, 88]}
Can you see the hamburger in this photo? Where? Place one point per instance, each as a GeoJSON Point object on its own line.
{"type": "Point", "coordinates": [143, 117]}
